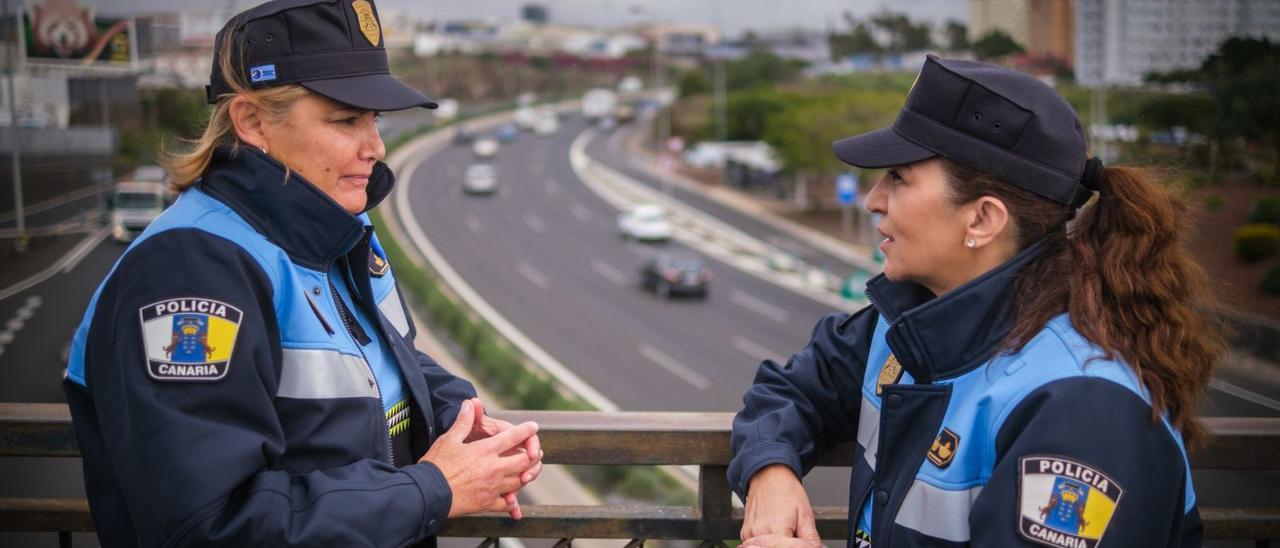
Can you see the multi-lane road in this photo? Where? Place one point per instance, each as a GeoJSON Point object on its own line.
{"type": "Point", "coordinates": [546, 254]}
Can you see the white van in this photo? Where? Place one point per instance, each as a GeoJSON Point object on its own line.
{"type": "Point", "coordinates": [133, 206]}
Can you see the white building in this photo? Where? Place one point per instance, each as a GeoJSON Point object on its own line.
{"type": "Point", "coordinates": [1120, 41]}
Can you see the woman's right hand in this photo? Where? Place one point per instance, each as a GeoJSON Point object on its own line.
{"type": "Point", "coordinates": [778, 505]}
{"type": "Point", "coordinates": [483, 474]}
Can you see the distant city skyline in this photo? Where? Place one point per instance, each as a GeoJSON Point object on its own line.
{"type": "Point", "coordinates": [732, 16]}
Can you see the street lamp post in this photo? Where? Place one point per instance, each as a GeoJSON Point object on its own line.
{"type": "Point", "coordinates": [13, 126]}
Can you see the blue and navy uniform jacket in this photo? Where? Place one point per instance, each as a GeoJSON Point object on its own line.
{"type": "Point", "coordinates": [246, 375]}
{"type": "Point", "coordinates": [960, 444]}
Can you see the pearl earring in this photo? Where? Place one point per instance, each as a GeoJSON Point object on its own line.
{"type": "Point", "coordinates": [971, 243]}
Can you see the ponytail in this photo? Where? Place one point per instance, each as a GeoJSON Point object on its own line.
{"type": "Point", "coordinates": [1130, 286]}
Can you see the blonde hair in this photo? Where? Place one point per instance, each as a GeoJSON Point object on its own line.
{"type": "Point", "coordinates": [187, 166]}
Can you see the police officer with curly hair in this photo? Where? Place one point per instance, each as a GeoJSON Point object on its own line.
{"type": "Point", "coordinates": [1027, 371]}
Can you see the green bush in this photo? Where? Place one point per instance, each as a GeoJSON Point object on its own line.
{"type": "Point", "coordinates": [1266, 210]}
{"type": "Point", "coordinates": [1268, 177]}
{"type": "Point", "coordinates": [1256, 242]}
{"type": "Point", "coordinates": [1271, 281]}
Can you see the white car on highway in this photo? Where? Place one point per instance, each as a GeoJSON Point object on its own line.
{"type": "Point", "coordinates": [480, 179]}
{"type": "Point", "coordinates": [486, 147]}
{"type": "Point", "coordinates": [646, 222]}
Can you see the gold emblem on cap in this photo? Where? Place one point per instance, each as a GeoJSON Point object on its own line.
{"type": "Point", "coordinates": [368, 21]}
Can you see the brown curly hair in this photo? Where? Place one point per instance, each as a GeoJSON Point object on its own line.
{"type": "Point", "coordinates": [1121, 271]}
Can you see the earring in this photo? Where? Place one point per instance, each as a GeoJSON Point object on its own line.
{"type": "Point", "coordinates": [970, 243]}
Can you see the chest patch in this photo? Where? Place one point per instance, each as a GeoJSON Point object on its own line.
{"type": "Point", "coordinates": [944, 448]}
{"type": "Point", "coordinates": [378, 266]}
{"type": "Point", "coordinates": [890, 373]}
{"type": "Point", "coordinates": [189, 339]}
{"type": "Point", "coordinates": [1064, 502]}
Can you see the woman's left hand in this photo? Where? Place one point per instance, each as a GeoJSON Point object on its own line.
{"type": "Point", "coordinates": [778, 541]}
{"type": "Point", "coordinates": [485, 427]}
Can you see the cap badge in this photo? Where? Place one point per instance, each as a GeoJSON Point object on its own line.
{"type": "Point", "coordinates": [368, 21]}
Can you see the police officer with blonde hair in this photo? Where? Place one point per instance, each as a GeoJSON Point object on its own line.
{"type": "Point", "coordinates": [246, 374]}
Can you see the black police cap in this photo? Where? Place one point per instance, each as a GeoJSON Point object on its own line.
{"type": "Point", "coordinates": [331, 47]}
{"type": "Point", "coordinates": [987, 117]}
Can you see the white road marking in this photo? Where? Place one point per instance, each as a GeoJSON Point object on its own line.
{"type": "Point", "coordinates": [609, 272]}
{"type": "Point", "coordinates": [83, 248]}
{"type": "Point", "coordinates": [1244, 394]}
{"type": "Point", "coordinates": [67, 262]}
{"type": "Point", "coordinates": [535, 223]}
{"type": "Point", "coordinates": [674, 367]}
{"type": "Point", "coordinates": [771, 311]}
{"type": "Point", "coordinates": [581, 213]}
{"type": "Point", "coordinates": [14, 325]}
{"type": "Point", "coordinates": [473, 224]}
{"type": "Point", "coordinates": [756, 351]}
{"type": "Point", "coordinates": [533, 275]}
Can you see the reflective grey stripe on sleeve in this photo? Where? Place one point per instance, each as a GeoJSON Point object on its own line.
{"type": "Point", "coordinates": [322, 374]}
{"type": "Point", "coordinates": [869, 430]}
{"type": "Point", "coordinates": [394, 311]}
{"type": "Point", "coordinates": [937, 512]}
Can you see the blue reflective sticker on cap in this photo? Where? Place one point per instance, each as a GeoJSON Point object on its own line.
{"type": "Point", "coordinates": [262, 73]}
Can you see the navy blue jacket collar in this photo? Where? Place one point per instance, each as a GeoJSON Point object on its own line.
{"type": "Point", "coordinates": [292, 213]}
{"type": "Point", "coordinates": [936, 338]}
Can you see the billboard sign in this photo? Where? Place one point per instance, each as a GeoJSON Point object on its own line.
{"type": "Point", "coordinates": [67, 32]}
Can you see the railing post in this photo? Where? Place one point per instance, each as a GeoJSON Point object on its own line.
{"type": "Point", "coordinates": [715, 499]}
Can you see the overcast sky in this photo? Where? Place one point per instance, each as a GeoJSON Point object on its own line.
{"type": "Point", "coordinates": [735, 15]}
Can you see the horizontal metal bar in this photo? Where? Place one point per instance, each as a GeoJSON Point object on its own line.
{"type": "Point", "coordinates": [610, 522]}
{"type": "Point", "coordinates": [572, 437]}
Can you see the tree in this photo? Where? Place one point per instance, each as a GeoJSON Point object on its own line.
{"type": "Point", "coordinates": [1244, 76]}
{"type": "Point", "coordinates": [694, 82]}
{"type": "Point", "coordinates": [957, 35]}
{"type": "Point", "coordinates": [761, 68]}
{"type": "Point", "coordinates": [996, 44]}
{"type": "Point", "coordinates": [858, 40]}
{"type": "Point", "coordinates": [903, 34]}
{"type": "Point", "coordinates": [748, 112]}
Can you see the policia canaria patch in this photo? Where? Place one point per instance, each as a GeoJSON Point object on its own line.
{"type": "Point", "coordinates": [189, 339]}
{"type": "Point", "coordinates": [1064, 502]}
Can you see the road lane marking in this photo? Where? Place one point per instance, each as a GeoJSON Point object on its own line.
{"type": "Point", "coordinates": [674, 367]}
{"type": "Point", "coordinates": [771, 311]}
{"type": "Point", "coordinates": [1244, 394]}
{"type": "Point", "coordinates": [610, 273]}
{"type": "Point", "coordinates": [67, 262]}
{"type": "Point", "coordinates": [83, 248]}
{"type": "Point", "coordinates": [581, 213]}
{"type": "Point", "coordinates": [535, 223]}
{"type": "Point", "coordinates": [756, 351]}
{"type": "Point", "coordinates": [14, 325]}
{"type": "Point", "coordinates": [533, 275]}
{"type": "Point", "coordinates": [473, 224]}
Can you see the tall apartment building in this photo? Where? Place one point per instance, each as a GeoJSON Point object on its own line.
{"type": "Point", "coordinates": [1120, 41]}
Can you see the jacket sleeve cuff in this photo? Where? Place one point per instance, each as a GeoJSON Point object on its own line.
{"type": "Point", "coordinates": [437, 496]}
{"type": "Point", "coordinates": [746, 464]}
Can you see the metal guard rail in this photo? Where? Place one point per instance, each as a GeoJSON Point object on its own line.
{"type": "Point", "coordinates": [700, 439]}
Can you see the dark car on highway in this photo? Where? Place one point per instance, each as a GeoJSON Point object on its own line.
{"type": "Point", "coordinates": [673, 274]}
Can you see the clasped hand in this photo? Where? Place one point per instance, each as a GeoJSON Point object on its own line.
{"type": "Point", "coordinates": [486, 461]}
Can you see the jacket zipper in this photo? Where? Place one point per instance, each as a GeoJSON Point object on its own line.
{"type": "Point", "coordinates": [349, 321]}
